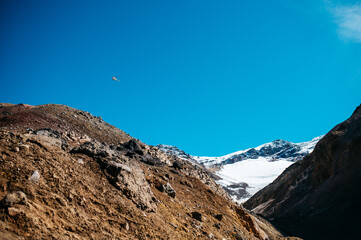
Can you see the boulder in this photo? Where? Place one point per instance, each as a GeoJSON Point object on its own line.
{"type": "Point", "coordinates": [17, 197]}
{"type": "Point", "coordinates": [14, 211]}
{"type": "Point", "coordinates": [148, 159]}
{"type": "Point", "coordinates": [93, 149]}
{"type": "Point", "coordinates": [177, 164]}
{"type": "Point", "coordinates": [169, 190]}
{"type": "Point", "coordinates": [133, 145]}
{"type": "Point", "coordinates": [130, 179]}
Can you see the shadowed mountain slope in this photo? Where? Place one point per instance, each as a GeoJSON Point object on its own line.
{"type": "Point", "coordinates": [319, 196]}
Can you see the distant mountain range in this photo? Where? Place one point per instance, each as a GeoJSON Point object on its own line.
{"type": "Point", "coordinates": [245, 172]}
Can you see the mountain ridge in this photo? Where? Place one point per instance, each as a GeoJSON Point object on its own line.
{"type": "Point", "coordinates": [301, 148]}
{"type": "Point", "coordinates": [272, 158]}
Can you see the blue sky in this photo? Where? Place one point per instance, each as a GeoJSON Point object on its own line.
{"type": "Point", "coordinates": [210, 77]}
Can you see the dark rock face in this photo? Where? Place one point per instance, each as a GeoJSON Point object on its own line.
{"type": "Point", "coordinates": [133, 146]}
{"type": "Point", "coordinates": [151, 160]}
{"type": "Point", "coordinates": [177, 165]}
{"type": "Point", "coordinates": [318, 197]}
{"type": "Point", "coordinates": [93, 149]}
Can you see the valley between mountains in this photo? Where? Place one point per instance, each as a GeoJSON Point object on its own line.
{"type": "Point", "coordinates": [245, 172]}
{"type": "Point", "coordinates": [66, 174]}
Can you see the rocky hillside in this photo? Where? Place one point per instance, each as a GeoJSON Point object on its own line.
{"type": "Point", "coordinates": [319, 196]}
{"type": "Point", "coordinates": [65, 174]}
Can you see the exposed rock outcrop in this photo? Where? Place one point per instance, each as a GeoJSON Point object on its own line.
{"type": "Point", "coordinates": [17, 197]}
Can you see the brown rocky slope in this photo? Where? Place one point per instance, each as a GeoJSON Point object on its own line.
{"type": "Point", "coordinates": [319, 196]}
{"type": "Point", "coordinates": [65, 174]}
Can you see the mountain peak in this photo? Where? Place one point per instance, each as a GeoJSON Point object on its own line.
{"type": "Point", "coordinates": [238, 172]}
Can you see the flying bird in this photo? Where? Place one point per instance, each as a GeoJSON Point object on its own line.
{"type": "Point", "coordinates": [115, 79]}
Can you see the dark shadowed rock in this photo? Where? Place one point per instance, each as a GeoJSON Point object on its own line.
{"type": "Point", "coordinates": [218, 217]}
{"type": "Point", "coordinates": [93, 149]}
{"type": "Point", "coordinates": [158, 185]}
{"type": "Point", "coordinates": [318, 197]}
{"type": "Point", "coordinates": [148, 159]}
{"type": "Point", "coordinates": [178, 164]}
{"type": "Point", "coordinates": [197, 216]}
{"type": "Point", "coordinates": [164, 187]}
{"type": "Point", "coordinates": [133, 145]}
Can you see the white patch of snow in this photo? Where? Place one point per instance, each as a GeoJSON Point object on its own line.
{"type": "Point", "coordinates": [307, 147]}
{"type": "Point", "coordinates": [257, 173]}
{"type": "Point", "coordinates": [208, 161]}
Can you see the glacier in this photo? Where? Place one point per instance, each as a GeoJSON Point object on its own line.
{"type": "Point", "coordinates": [245, 172]}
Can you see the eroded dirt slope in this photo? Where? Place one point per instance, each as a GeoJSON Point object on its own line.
{"type": "Point", "coordinates": [65, 174]}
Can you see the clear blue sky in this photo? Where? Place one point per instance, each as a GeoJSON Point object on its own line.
{"type": "Point", "coordinates": [210, 77]}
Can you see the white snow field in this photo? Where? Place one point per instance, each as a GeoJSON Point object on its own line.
{"type": "Point", "coordinates": [257, 173]}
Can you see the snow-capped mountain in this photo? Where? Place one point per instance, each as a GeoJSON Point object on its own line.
{"type": "Point", "coordinates": [247, 171]}
{"type": "Point", "coordinates": [273, 151]}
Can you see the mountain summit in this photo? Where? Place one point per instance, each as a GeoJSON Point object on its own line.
{"type": "Point", "coordinates": [276, 150]}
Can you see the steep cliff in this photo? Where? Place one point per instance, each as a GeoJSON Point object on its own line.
{"type": "Point", "coordinates": [318, 197]}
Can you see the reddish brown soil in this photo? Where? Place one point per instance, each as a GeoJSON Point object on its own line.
{"type": "Point", "coordinates": [75, 199]}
